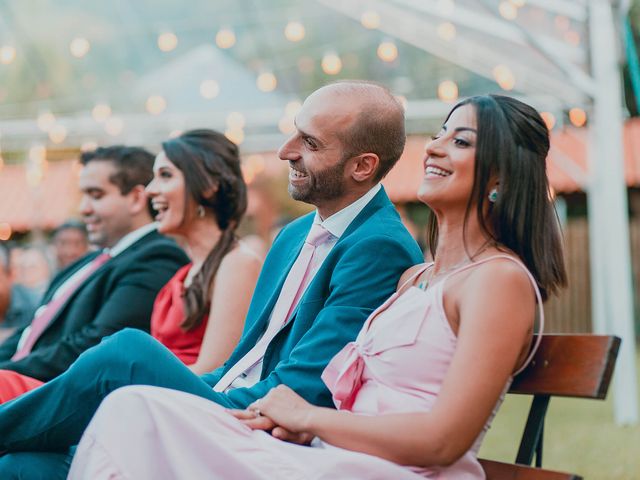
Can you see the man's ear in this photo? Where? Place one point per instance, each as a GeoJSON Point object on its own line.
{"type": "Point", "coordinates": [364, 167]}
{"type": "Point", "coordinates": [139, 199]}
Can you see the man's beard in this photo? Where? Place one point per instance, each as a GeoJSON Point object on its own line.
{"type": "Point", "coordinates": [327, 184]}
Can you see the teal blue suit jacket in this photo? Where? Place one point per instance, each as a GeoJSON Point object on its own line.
{"type": "Point", "coordinates": [360, 272]}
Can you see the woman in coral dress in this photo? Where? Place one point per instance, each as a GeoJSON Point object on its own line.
{"type": "Point", "coordinates": [418, 388]}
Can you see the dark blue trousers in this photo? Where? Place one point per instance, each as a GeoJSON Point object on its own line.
{"type": "Point", "coordinates": [53, 417]}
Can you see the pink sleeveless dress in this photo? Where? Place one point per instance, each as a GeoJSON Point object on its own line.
{"type": "Point", "coordinates": [397, 363]}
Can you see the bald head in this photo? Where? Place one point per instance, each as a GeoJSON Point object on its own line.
{"type": "Point", "coordinates": [375, 120]}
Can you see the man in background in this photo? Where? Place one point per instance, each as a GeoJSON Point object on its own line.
{"type": "Point", "coordinates": [69, 243]}
{"type": "Point", "coordinates": [17, 303]}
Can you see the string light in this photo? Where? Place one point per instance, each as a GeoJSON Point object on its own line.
{"type": "Point", "coordinates": [508, 10]}
{"type": "Point", "coordinates": [447, 91]}
{"type": "Point", "coordinates": [549, 119]}
{"type": "Point", "coordinates": [225, 38]}
{"type": "Point", "coordinates": [46, 120]}
{"type": "Point", "coordinates": [155, 104]}
{"type": "Point", "coordinates": [518, 3]}
{"type": "Point", "coordinates": [266, 82]}
{"type": "Point", "coordinates": [331, 64]}
{"type": "Point", "coordinates": [58, 133]}
{"type": "Point", "coordinates": [100, 112]}
{"type": "Point", "coordinates": [577, 117]}
{"type": "Point", "coordinates": [294, 31]}
{"type": "Point", "coordinates": [286, 125]}
{"type": "Point", "coordinates": [209, 89]}
{"type": "Point", "coordinates": [167, 41]}
{"type": "Point", "coordinates": [370, 19]}
{"type": "Point", "coordinates": [5, 231]}
{"type": "Point", "coordinates": [387, 51]}
{"type": "Point", "coordinates": [504, 77]}
{"type": "Point", "coordinates": [7, 54]}
{"type": "Point", "coordinates": [79, 47]}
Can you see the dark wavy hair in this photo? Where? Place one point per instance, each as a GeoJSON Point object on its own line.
{"type": "Point", "coordinates": [211, 167]}
{"type": "Point", "coordinates": [133, 166]}
{"type": "Point", "coordinates": [512, 146]}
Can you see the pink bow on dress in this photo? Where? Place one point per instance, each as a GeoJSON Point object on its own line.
{"type": "Point", "coordinates": [343, 375]}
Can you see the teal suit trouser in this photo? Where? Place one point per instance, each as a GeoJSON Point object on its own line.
{"type": "Point", "coordinates": [53, 417]}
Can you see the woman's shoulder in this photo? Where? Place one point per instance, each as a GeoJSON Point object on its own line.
{"type": "Point", "coordinates": [505, 273]}
{"type": "Point", "coordinates": [241, 257]}
{"type": "Point", "coordinates": [410, 272]}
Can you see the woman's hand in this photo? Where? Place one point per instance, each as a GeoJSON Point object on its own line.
{"type": "Point", "coordinates": [281, 410]}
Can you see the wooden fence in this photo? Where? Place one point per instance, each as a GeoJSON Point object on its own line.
{"type": "Point", "coordinates": [571, 311]}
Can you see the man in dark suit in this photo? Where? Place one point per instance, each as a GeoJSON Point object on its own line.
{"type": "Point", "coordinates": [88, 301]}
{"type": "Point", "coordinates": [348, 137]}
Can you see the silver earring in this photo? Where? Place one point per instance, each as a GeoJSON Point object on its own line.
{"type": "Point", "coordinates": [493, 195]}
{"type": "Point", "coordinates": [200, 211]}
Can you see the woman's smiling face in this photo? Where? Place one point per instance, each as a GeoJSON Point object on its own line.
{"type": "Point", "coordinates": [449, 162]}
{"type": "Point", "coordinates": [168, 196]}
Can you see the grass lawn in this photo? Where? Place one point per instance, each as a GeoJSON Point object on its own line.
{"type": "Point", "coordinates": [580, 437]}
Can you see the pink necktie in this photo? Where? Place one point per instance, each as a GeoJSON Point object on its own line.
{"type": "Point", "coordinates": [41, 322]}
{"type": "Point", "coordinates": [294, 286]}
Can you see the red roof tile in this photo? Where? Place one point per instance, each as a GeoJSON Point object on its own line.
{"type": "Point", "coordinates": [45, 206]}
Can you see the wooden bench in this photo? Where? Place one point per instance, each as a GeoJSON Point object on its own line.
{"type": "Point", "coordinates": [565, 366]}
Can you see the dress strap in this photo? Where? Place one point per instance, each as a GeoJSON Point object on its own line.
{"type": "Point", "coordinates": [538, 336]}
{"type": "Point", "coordinates": [415, 275]}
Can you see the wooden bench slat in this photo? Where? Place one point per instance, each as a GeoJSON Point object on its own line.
{"type": "Point", "coordinates": [570, 366]}
{"type": "Point", "coordinates": [508, 471]}
{"type": "Point", "coordinates": [566, 366]}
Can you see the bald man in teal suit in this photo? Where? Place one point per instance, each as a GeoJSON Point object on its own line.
{"type": "Point", "coordinates": [348, 136]}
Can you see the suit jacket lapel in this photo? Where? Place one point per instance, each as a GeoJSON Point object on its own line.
{"type": "Point", "coordinates": [64, 275]}
{"type": "Point", "coordinates": [377, 202]}
{"type": "Point", "coordinates": [259, 326]}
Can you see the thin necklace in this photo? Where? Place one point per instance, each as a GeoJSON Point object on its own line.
{"type": "Point", "coordinates": [424, 284]}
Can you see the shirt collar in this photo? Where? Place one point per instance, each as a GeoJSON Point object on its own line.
{"type": "Point", "coordinates": [130, 238]}
{"type": "Point", "coordinates": [337, 223]}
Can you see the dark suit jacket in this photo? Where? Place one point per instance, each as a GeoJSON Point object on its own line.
{"type": "Point", "coordinates": [360, 272]}
{"type": "Point", "coordinates": [119, 294]}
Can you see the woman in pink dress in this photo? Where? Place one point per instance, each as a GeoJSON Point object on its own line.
{"type": "Point", "coordinates": [417, 389]}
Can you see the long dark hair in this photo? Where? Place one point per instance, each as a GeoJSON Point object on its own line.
{"type": "Point", "coordinates": [512, 146]}
{"type": "Point", "coordinates": [211, 167]}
